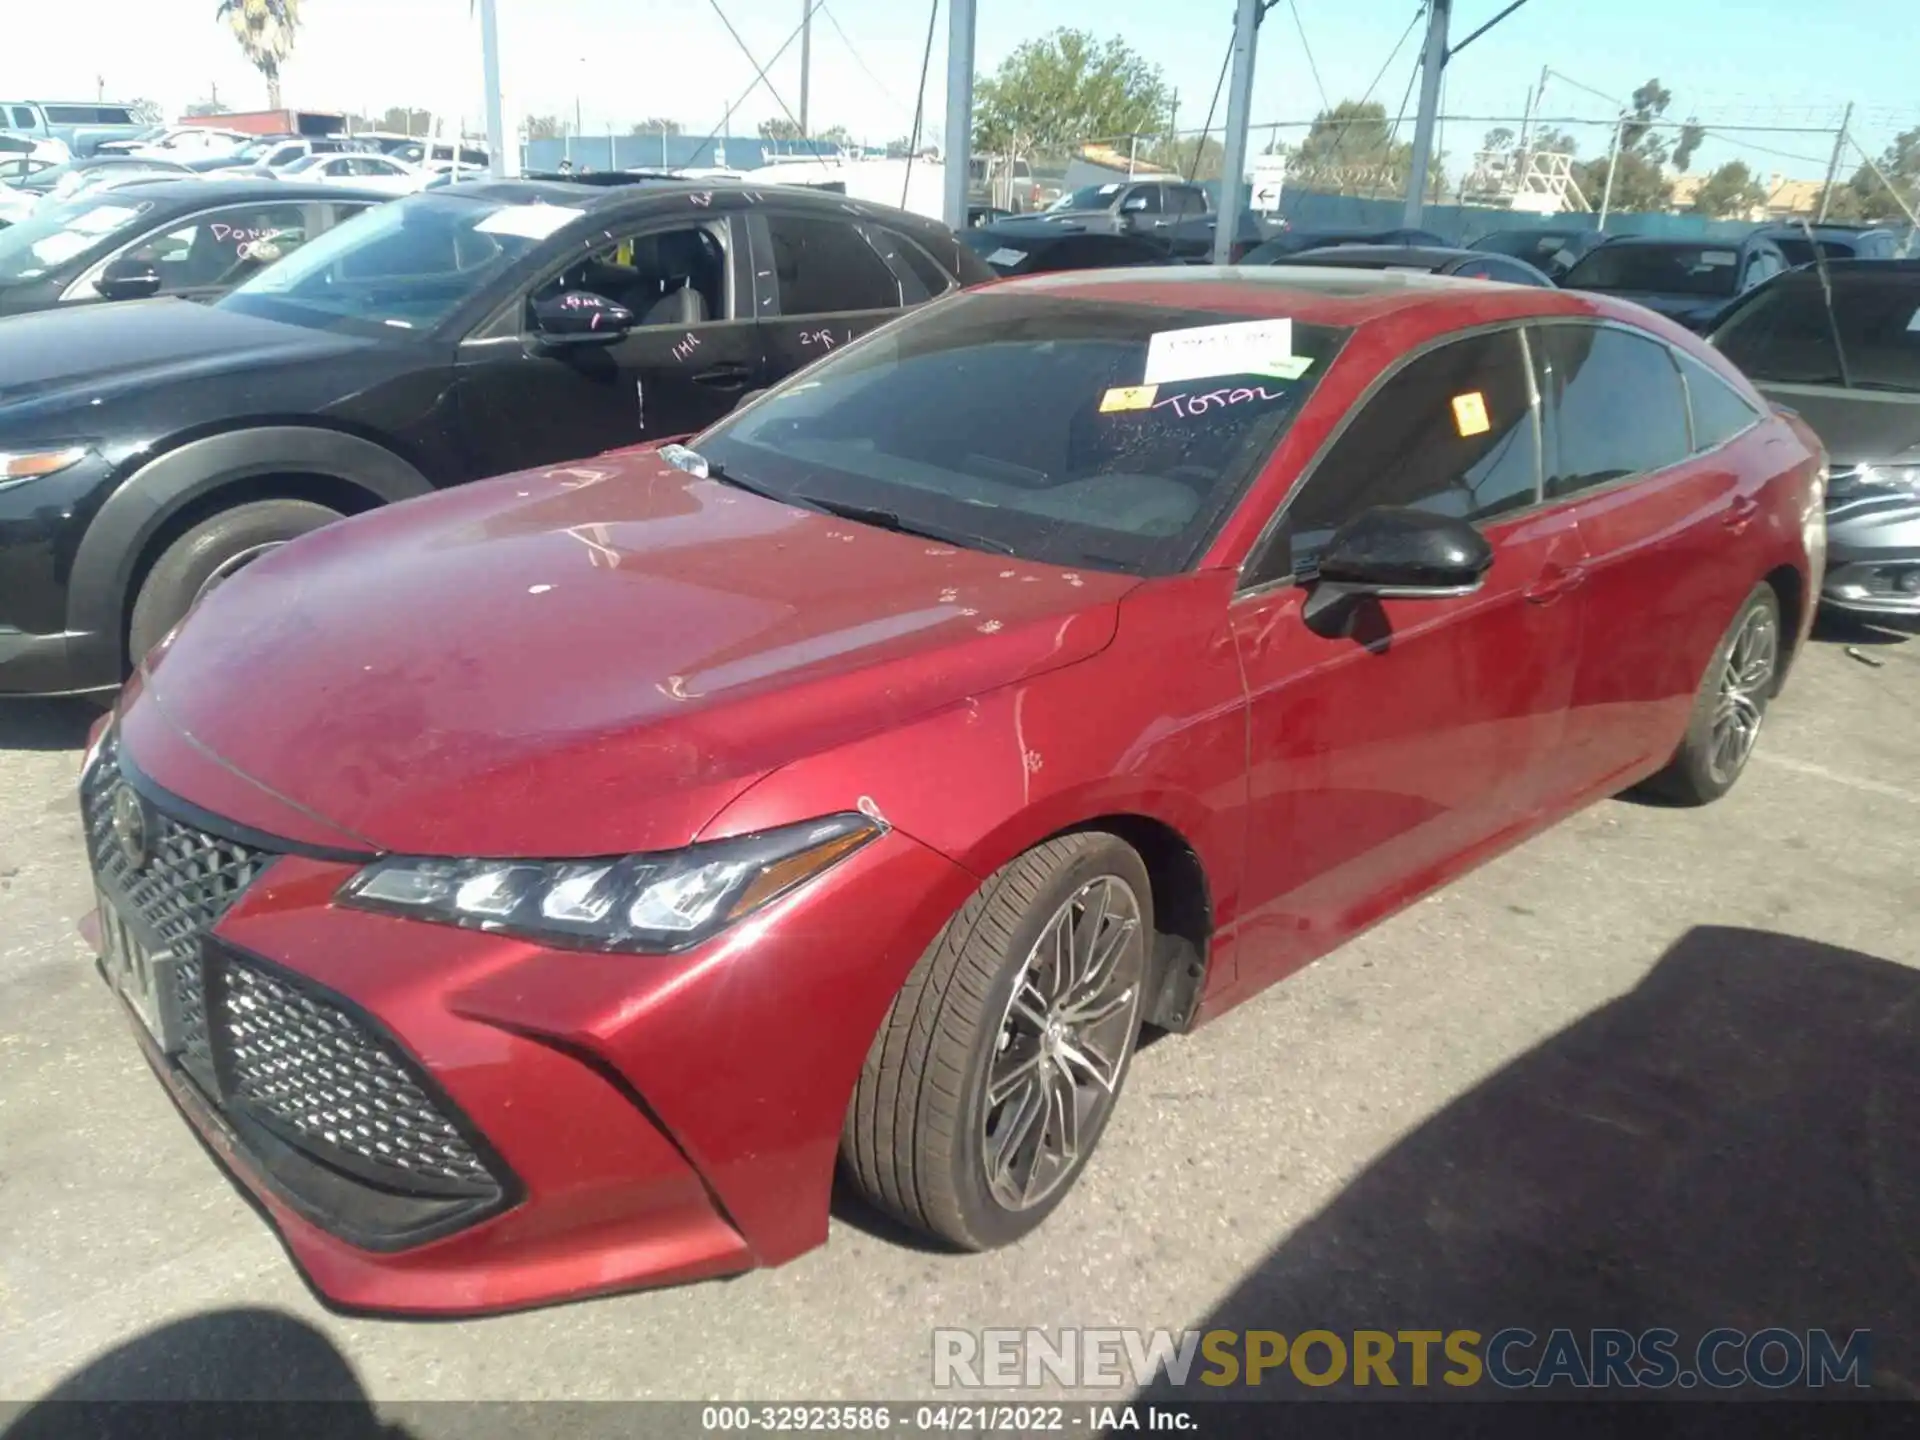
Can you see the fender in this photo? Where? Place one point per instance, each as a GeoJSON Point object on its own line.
{"type": "Point", "coordinates": [97, 591]}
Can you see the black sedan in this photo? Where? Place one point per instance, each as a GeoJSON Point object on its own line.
{"type": "Point", "coordinates": [1425, 259]}
{"type": "Point", "coordinates": [148, 450]}
{"type": "Point", "coordinates": [1030, 251]}
{"type": "Point", "coordinates": [193, 238]}
{"type": "Point", "coordinates": [1298, 241]}
{"type": "Point", "coordinates": [1691, 281]}
{"type": "Point", "coordinates": [1852, 371]}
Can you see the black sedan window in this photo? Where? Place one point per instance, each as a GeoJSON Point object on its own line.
{"type": "Point", "coordinates": [1067, 431]}
{"type": "Point", "coordinates": [49, 239]}
{"type": "Point", "coordinates": [1785, 335]}
{"type": "Point", "coordinates": [1659, 269]}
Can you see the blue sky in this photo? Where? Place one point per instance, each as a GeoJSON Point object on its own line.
{"type": "Point", "coordinates": [1784, 62]}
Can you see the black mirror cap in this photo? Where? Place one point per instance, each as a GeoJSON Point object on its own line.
{"type": "Point", "coordinates": [128, 279]}
{"type": "Point", "coordinates": [1392, 551]}
{"type": "Point", "coordinates": [580, 317]}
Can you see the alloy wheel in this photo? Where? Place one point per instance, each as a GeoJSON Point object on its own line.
{"type": "Point", "coordinates": [1746, 684]}
{"type": "Point", "coordinates": [1063, 1043]}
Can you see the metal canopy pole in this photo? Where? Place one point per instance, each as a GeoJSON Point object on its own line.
{"type": "Point", "coordinates": [1233, 165]}
{"type": "Point", "coordinates": [490, 65]}
{"type": "Point", "coordinates": [1433, 64]}
{"type": "Point", "coordinates": [806, 62]}
{"type": "Point", "coordinates": [959, 109]}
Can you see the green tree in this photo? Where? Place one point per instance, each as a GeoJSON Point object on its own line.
{"type": "Point", "coordinates": [837, 135]}
{"type": "Point", "coordinates": [1352, 148]}
{"type": "Point", "coordinates": [1638, 136]}
{"type": "Point", "coordinates": [1550, 141]}
{"type": "Point", "coordinates": [544, 127]}
{"type": "Point", "coordinates": [1640, 182]}
{"type": "Point", "coordinates": [403, 120]}
{"type": "Point", "coordinates": [1865, 198]}
{"type": "Point", "coordinates": [656, 125]}
{"type": "Point", "coordinates": [1729, 193]}
{"type": "Point", "coordinates": [780, 128]}
{"type": "Point", "coordinates": [1065, 89]}
{"type": "Point", "coordinates": [1691, 134]}
{"type": "Point", "coordinates": [1498, 138]}
{"type": "Point", "coordinates": [207, 106]}
{"type": "Point", "coordinates": [147, 112]}
{"type": "Point", "coordinates": [265, 30]}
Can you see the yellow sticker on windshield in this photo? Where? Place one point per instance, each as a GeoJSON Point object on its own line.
{"type": "Point", "coordinates": [1470, 414]}
{"type": "Point", "coordinates": [1128, 397]}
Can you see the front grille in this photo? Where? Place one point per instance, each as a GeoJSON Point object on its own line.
{"type": "Point", "coordinates": [188, 880]}
{"type": "Point", "coordinates": [294, 1059]}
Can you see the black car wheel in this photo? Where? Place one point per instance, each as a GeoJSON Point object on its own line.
{"type": "Point", "coordinates": [1741, 680]}
{"type": "Point", "coordinates": [1001, 1060]}
{"type": "Point", "coordinates": [208, 554]}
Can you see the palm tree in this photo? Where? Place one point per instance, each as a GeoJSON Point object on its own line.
{"type": "Point", "coordinates": [264, 29]}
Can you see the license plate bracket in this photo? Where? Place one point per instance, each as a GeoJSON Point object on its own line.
{"type": "Point", "coordinates": [143, 972]}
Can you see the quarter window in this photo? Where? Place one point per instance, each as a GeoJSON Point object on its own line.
{"type": "Point", "coordinates": [1147, 198]}
{"type": "Point", "coordinates": [1719, 411]}
{"type": "Point", "coordinates": [1453, 433]}
{"type": "Point", "coordinates": [1618, 406]}
{"type": "Point", "coordinates": [825, 267]}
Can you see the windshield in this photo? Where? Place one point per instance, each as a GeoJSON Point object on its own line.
{"type": "Point", "coordinates": [1659, 269]}
{"type": "Point", "coordinates": [304, 162]}
{"type": "Point", "coordinates": [70, 231]}
{"type": "Point", "coordinates": [1022, 423]}
{"type": "Point", "coordinates": [1534, 246]}
{"type": "Point", "coordinates": [405, 266]}
{"type": "Point", "coordinates": [1801, 251]}
{"type": "Point", "coordinates": [1783, 333]}
{"type": "Point", "coordinates": [1088, 197]}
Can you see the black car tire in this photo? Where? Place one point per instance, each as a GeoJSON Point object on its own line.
{"type": "Point", "coordinates": [914, 1139]}
{"type": "Point", "coordinates": [1691, 778]}
{"type": "Point", "coordinates": [200, 555]}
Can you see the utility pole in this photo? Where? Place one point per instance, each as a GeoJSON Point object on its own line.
{"type": "Point", "coordinates": [959, 110]}
{"type": "Point", "coordinates": [1233, 164]}
{"type": "Point", "coordinates": [806, 61]}
{"type": "Point", "coordinates": [490, 68]}
{"type": "Point", "coordinates": [1613, 164]}
{"type": "Point", "coordinates": [1833, 165]}
{"type": "Point", "coordinates": [1433, 64]}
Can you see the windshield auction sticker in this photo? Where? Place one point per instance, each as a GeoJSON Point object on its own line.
{"type": "Point", "coordinates": [1244, 347]}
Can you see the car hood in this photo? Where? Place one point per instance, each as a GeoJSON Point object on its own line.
{"type": "Point", "coordinates": [1858, 427]}
{"type": "Point", "coordinates": [588, 660]}
{"type": "Point", "coordinates": [89, 352]}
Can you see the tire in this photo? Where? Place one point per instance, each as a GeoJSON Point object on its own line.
{"type": "Point", "coordinates": [1702, 770]}
{"type": "Point", "coordinates": [921, 1130]}
{"type": "Point", "coordinates": [206, 554]}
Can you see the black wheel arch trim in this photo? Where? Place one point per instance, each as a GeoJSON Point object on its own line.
{"type": "Point", "coordinates": [99, 589]}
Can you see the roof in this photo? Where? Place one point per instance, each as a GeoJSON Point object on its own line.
{"type": "Point", "coordinates": [591, 198]}
{"type": "Point", "coordinates": [1369, 257]}
{"type": "Point", "coordinates": [1319, 294]}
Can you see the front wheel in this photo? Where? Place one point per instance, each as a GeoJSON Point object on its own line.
{"type": "Point", "coordinates": [1729, 708]}
{"type": "Point", "coordinates": [208, 554]}
{"type": "Point", "coordinates": [1001, 1060]}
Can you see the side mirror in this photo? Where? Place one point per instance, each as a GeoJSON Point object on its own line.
{"type": "Point", "coordinates": [580, 317]}
{"type": "Point", "coordinates": [128, 279]}
{"type": "Point", "coordinates": [1404, 554]}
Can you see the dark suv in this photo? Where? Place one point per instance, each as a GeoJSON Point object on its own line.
{"type": "Point", "coordinates": [147, 450]}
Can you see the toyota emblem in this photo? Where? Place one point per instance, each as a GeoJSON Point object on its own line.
{"type": "Point", "coordinates": [130, 827]}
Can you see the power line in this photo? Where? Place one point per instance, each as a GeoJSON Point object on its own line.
{"type": "Point", "coordinates": [792, 35]}
{"type": "Point", "coordinates": [1325, 103]}
{"type": "Point", "coordinates": [761, 76]}
{"type": "Point", "coordinates": [858, 59]}
{"type": "Point", "coordinates": [920, 104]}
{"type": "Point", "coordinates": [1201, 144]}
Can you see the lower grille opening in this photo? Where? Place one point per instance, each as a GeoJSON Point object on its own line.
{"type": "Point", "coordinates": [352, 1131]}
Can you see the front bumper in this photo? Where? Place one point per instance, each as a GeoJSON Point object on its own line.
{"type": "Point", "coordinates": [1873, 556]}
{"type": "Point", "coordinates": [444, 1122]}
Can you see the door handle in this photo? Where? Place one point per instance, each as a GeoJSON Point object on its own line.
{"type": "Point", "coordinates": [1556, 580]}
{"type": "Point", "coordinates": [1740, 513]}
{"type": "Point", "coordinates": [729, 376]}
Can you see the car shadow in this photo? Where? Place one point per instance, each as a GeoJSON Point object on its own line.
{"type": "Point", "coordinates": [1833, 628]}
{"type": "Point", "coordinates": [1729, 1144]}
{"type": "Point", "coordinates": [46, 724]}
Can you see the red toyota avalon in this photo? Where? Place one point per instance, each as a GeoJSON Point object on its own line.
{"type": "Point", "coordinates": [539, 889]}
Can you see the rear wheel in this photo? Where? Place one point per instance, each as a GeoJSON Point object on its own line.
{"type": "Point", "coordinates": [1730, 707]}
{"type": "Point", "coordinates": [1000, 1063]}
{"type": "Point", "coordinates": [210, 553]}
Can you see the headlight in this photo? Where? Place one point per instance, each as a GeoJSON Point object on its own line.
{"type": "Point", "coordinates": [1855, 481]}
{"type": "Point", "coordinates": [657, 903]}
{"type": "Point", "coordinates": [32, 464]}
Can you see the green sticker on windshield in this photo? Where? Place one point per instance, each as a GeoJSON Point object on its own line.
{"type": "Point", "coordinates": [1288, 367]}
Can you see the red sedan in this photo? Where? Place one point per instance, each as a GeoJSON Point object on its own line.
{"type": "Point", "coordinates": [538, 889]}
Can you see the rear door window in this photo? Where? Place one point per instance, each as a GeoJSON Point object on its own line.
{"type": "Point", "coordinates": [23, 118]}
{"type": "Point", "coordinates": [826, 267]}
{"type": "Point", "coordinates": [223, 247]}
{"type": "Point", "coordinates": [1617, 406]}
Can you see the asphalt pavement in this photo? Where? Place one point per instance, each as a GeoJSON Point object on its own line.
{"type": "Point", "coordinates": [1656, 1066]}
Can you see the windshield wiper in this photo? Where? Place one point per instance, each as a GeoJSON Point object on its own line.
{"type": "Point", "coordinates": [891, 520]}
